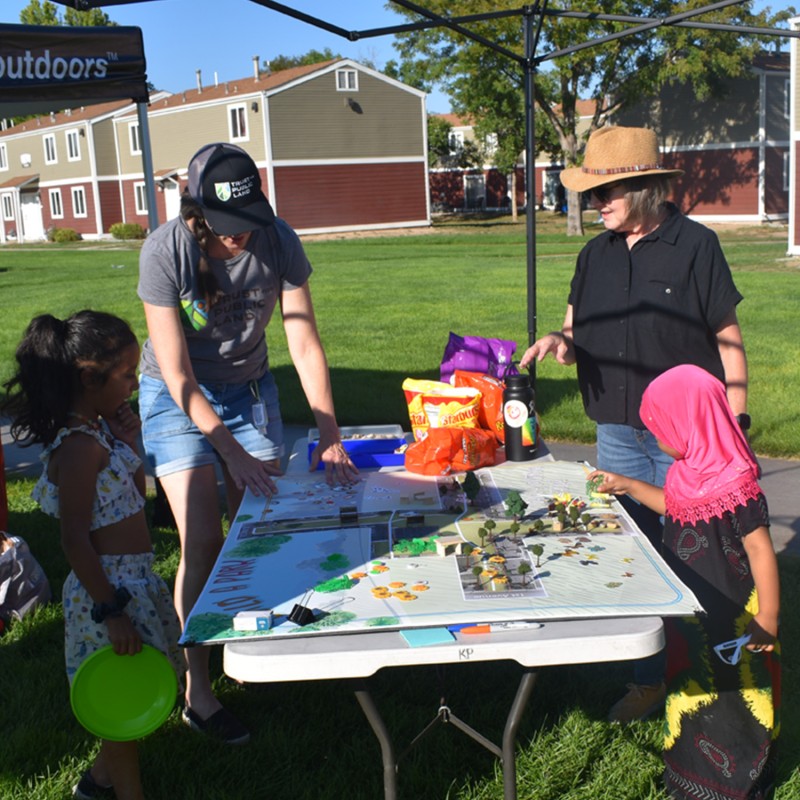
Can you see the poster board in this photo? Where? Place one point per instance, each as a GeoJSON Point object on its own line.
{"type": "Point", "coordinates": [398, 551]}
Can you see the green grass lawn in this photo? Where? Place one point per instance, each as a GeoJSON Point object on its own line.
{"type": "Point", "coordinates": [311, 741]}
{"type": "Point", "coordinates": [386, 304]}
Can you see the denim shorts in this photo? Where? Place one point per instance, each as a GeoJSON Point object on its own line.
{"type": "Point", "coordinates": [173, 443]}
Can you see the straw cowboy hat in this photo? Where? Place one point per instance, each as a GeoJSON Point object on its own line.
{"type": "Point", "coordinates": [613, 154]}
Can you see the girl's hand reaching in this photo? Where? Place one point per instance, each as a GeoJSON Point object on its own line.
{"type": "Point", "coordinates": [651, 496]}
{"type": "Point", "coordinates": [612, 483]}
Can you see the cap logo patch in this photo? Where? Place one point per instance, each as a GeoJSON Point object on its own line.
{"type": "Point", "coordinates": [223, 191]}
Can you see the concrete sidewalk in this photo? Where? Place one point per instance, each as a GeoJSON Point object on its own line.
{"type": "Point", "coordinates": [780, 480]}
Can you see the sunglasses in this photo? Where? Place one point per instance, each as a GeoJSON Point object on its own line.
{"type": "Point", "coordinates": [603, 193]}
{"type": "Point", "coordinates": [731, 652]}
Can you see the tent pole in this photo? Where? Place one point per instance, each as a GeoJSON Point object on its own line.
{"type": "Point", "coordinates": [530, 180]}
{"type": "Point", "coordinates": [147, 166]}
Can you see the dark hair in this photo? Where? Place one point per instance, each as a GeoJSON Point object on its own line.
{"type": "Point", "coordinates": [209, 286]}
{"type": "Point", "coordinates": [645, 196]}
{"type": "Point", "coordinates": [50, 358]}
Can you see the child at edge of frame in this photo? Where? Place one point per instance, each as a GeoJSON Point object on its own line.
{"type": "Point", "coordinates": [723, 668]}
{"type": "Point", "coordinates": [70, 394]}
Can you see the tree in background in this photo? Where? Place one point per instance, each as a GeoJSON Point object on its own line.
{"type": "Point", "coordinates": [438, 140]}
{"type": "Point", "coordinates": [46, 13]}
{"type": "Point", "coordinates": [488, 86]}
{"type": "Point", "coordinates": [281, 62]}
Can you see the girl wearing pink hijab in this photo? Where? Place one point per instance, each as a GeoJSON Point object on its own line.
{"type": "Point", "coordinates": [723, 668]}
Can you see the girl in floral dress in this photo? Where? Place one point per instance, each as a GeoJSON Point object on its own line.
{"type": "Point", "coordinates": [70, 394]}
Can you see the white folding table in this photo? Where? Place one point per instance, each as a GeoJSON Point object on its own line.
{"type": "Point", "coordinates": [360, 655]}
{"type": "Point", "coordinates": [357, 656]}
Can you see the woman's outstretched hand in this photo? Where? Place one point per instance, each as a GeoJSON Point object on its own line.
{"type": "Point", "coordinates": [253, 474]}
{"type": "Point", "coordinates": [339, 467]}
{"type": "Point", "coordinates": [555, 344]}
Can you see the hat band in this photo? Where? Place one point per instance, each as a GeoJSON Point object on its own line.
{"type": "Point", "coordinates": [619, 170]}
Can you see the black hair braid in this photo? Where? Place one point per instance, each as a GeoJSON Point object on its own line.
{"type": "Point", "coordinates": [50, 358]}
{"type": "Point", "coordinates": [207, 281]}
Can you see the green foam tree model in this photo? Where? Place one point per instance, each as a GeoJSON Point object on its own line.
{"type": "Point", "coordinates": [515, 505]}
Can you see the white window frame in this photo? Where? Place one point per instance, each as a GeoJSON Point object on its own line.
{"type": "Point", "coordinates": [140, 198]}
{"type": "Point", "coordinates": [73, 144]}
{"type": "Point", "coordinates": [787, 163]}
{"type": "Point", "coordinates": [3, 157]}
{"type": "Point", "coordinates": [50, 149]}
{"type": "Point", "coordinates": [8, 207]}
{"type": "Point", "coordinates": [347, 80]}
{"type": "Point", "coordinates": [56, 203]}
{"type": "Point", "coordinates": [238, 128]}
{"type": "Point", "coordinates": [79, 202]}
{"type": "Point", "coordinates": [787, 98]}
{"type": "Point", "coordinates": [134, 139]}
{"type": "Point", "coordinates": [455, 141]}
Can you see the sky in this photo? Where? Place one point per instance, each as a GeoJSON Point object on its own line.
{"type": "Point", "coordinates": [182, 36]}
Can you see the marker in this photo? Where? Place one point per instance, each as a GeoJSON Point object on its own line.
{"type": "Point", "coordinates": [501, 627]}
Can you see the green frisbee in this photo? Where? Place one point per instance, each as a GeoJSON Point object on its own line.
{"type": "Point", "coordinates": [121, 698]}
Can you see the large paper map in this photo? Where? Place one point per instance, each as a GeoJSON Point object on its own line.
{"type": "Point", "coordinates": [398, 550]}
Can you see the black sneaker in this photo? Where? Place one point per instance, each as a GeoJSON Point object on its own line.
{"type": "Point", "coordinates": [220, 725]}
{"type": "Point", "coordinates": [87, 788]}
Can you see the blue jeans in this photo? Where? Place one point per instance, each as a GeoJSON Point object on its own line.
{"type": "Point", "coordinates": [635, 453]}
{"type": "Point", "coordinates": [173, 443]}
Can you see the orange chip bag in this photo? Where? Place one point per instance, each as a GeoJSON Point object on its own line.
{"type": "Point", "coordinates": [446, 450]}
{"type": "Point", "coordinates": [490, 413]}
{"type": "Point", "coordinates": [433, 404]}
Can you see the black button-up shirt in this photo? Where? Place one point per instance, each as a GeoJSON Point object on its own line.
{"type": "Point", "coordinates": [639, 312]}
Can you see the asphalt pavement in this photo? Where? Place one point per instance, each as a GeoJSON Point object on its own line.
{"type": "Point", "coordinates": [780, 480]}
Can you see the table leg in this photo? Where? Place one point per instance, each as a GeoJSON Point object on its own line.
{"type": "Point", "coordinates": [382, 733]}
{"type": "Point", "coordinates": [507, 754]}
{"type": "Point", "coordinates": [510, 734]}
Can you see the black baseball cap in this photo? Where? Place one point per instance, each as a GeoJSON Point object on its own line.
{"type": "Point", "coordinates": [224, 181]}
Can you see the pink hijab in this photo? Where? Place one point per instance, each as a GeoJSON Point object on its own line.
{"type": "Point", "coordinates": [687, 409]}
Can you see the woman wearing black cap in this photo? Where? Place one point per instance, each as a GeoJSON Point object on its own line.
{"type": "Point", "coordinates": [210, 281]}
{"type": "Point", "coordinates": [649, 293]}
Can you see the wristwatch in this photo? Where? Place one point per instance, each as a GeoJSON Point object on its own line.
{"type": "Point", "coordinates": [744, 421]}
{"type": "Point", "coordinates": [102, 611]}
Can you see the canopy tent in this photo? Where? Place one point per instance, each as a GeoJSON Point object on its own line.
{"type": "Point", "coordinates": [532, 17]}
{"type": "Point", "coordinates": [46, 68]}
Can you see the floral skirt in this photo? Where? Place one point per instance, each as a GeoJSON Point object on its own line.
{"type": "Point", "coordinates": [150, 608]}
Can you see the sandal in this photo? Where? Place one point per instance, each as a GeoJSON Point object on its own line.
{"type": "Point", "coordinates": [87, 788]}
{"type": "Point", "coordinates": [221, 725]}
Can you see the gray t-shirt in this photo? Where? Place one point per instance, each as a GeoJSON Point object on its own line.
{"type": "Point", "coordinates": [226, 344]}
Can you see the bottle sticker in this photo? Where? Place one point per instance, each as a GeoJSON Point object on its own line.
{"type": "Point", "coordinates": [515, 413]}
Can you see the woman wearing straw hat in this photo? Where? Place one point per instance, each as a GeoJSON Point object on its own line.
{"type": "Point", "coordinates": [652, 291]}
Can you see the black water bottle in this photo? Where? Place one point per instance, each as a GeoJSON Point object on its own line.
{"type": "Point", "coordinates": [519, 418]}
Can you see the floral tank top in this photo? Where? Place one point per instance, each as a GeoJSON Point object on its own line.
{"type": "Point", "coordinates": [116, 495]}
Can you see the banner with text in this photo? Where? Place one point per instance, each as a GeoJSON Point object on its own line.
{"type": "Point", "coordinates": [48, 68]}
